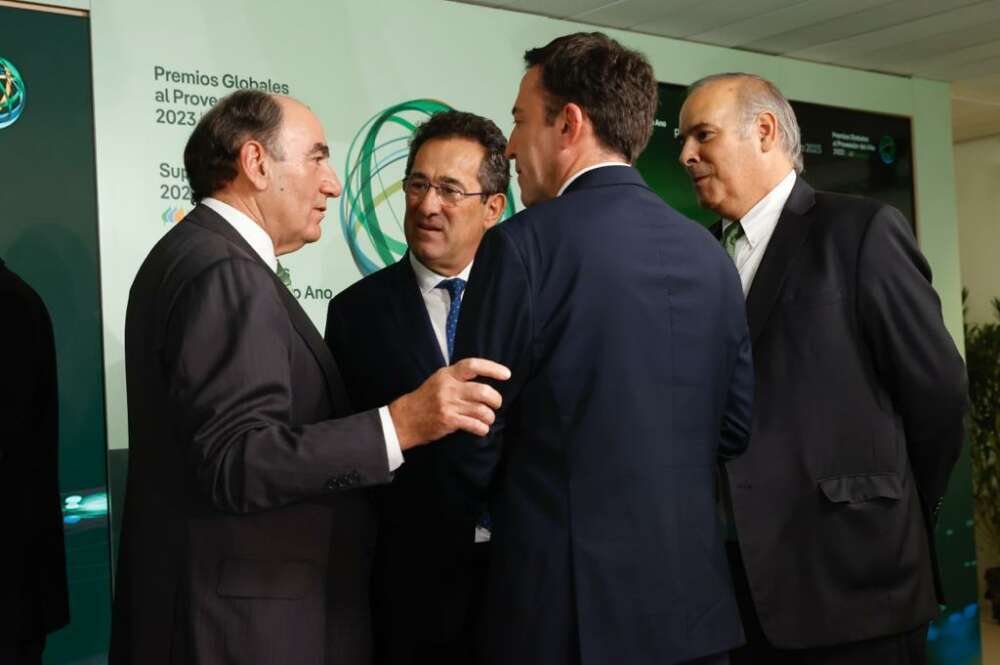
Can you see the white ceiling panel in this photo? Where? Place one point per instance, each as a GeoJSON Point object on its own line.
{"type": "Point", "coordinates": [629, 13]}
{"type": "Point", "coordinates": [945, 40]}
{"type": "Point", "coordinates": [708, 15]}
{"type": "Point", "coordinates": [866, 21]}
{"type": "Point", "coordinates": [905, 32]}
{"type": "Point", "coordinates": [785, 20]}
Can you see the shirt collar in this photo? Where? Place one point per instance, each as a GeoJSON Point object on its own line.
{"type": "Point", "coordinates": [579, 173]}
{"type": "Point", "coordinates": [761, 219]}
{"type": "Point", "coordinates": [248, 229]}
{"type": "Point", "coordinates": [427, 279]}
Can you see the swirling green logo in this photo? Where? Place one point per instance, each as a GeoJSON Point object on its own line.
{"type": "Point", "coordinates": [887, 149]}
{"type": "Point", "coordinates": [372, 203]}
{"type": "Point", "coordinates": [11, 94]}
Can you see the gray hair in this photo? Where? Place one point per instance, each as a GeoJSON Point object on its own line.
{"type": "Point", "coordinates": [756, 96]}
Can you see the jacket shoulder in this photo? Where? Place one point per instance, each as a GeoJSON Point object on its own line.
{"type": "Point", "coordinates": [364, 292]}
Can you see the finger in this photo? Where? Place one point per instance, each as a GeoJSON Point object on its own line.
{"type": "Point", "coordinates": [472, 425]}
{"type": "Point", "coordinates": [470, 368]}
{"type": "Point", "coordinates": [480, 393]}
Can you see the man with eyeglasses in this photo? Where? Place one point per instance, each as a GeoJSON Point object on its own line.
{"type": "Point", "coordinates": [392, 330]}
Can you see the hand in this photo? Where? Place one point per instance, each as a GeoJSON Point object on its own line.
{"type": "Point", "coordinates": [447, 401]}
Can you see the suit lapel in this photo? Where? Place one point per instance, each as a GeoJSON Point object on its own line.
{"type": "Point", "coordinates": [789, 234]}
{"type": "Point", "coordinates": [207, 218]}
{"type": "Point", "coordinates": [410, 314]}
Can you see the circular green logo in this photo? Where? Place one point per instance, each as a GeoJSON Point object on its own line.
{"type": "Point", "coordinates": [11, 94]}
{"type": "Point", "coordinates": [372, 205]}
{"type": "Point", "coordinates": [887, 149]}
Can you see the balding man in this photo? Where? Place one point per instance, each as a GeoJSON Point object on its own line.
{"type": "Point", "coordinates": [859, 395]}
{"type": "Point", "coordinates": [244, 539]}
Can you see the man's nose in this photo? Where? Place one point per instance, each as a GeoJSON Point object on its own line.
{"type": "Point", "coordinates": [331, 185]}
{"type": "Point", "coordinates": [430, 202]}
{"type": "Point", "coordinates": [688, 153]}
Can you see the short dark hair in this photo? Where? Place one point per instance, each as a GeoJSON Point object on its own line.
{"type": "Point", "coordinates": [494, 171]}
{"type": "Point", "coordinates": [213, 149]}
{"type": "Point", "coordinates": [614, 86]}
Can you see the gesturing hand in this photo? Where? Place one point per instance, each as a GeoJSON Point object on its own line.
{"type": "Point", "coordinates": [449, 400]}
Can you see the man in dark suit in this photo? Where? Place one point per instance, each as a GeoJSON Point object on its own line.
{"type": "Point", "coordinates": [623, 325]}
{"type": "Point", "coordinates": [243, 540]}
{"type": "Point", "coordinates": [859, 399]}
{"type": "Point", "coordinates": [391, 331]}
{"type": "Point", "coordinates": [34, 600]}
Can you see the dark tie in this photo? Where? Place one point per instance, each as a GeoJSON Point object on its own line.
{"type": "Point", "coordinates": [730, 235]}
{"type": "Point", "coordinates": [454, 286]}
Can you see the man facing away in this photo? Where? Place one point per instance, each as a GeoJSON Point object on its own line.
{"type": "Point", "coordinates": [391, 331]}
{"type": "Point", "coordinates": [243, 541]}
{"type": "Point", "coordinates": [623, 325]}
{"type": "Point", "coordinates": [859, 399]}
{"type": "Point", "coordinates": [35, 597]}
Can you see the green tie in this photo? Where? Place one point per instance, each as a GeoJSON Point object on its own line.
{"type": "Point", "coordinates": [730, 235]}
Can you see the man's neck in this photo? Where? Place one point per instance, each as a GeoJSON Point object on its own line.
{"type": "Point", "coordinates": [586, 160]}
{"type": "Point", "coordinates": [248, 206]}
{"type": "Point", "coordinates": [772, 180]}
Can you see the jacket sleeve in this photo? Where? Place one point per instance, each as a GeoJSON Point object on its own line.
{"type": "Point", "coordinates": [915, 358]}
{"type": "Point", "coordinates": [227, 359]}
{"type": "Point", "coordinates": [736, 419]}
{"type": "Point", "coordinates": [496, 324]}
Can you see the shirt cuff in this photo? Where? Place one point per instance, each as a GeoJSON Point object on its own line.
{"type": "Point", "coordinates": [392, 450]}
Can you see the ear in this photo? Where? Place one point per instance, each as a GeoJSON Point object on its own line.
{"type": "Point", "coordinates": [573, 123]}
{"type": "Point", "coordinates": [495, 205]}
{"type": "Point", "coordinates": [766, 131]}
{"type": "Point", "coordinates": [253, 162]}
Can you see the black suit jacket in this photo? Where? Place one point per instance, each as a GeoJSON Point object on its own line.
{"type": "Point", "coordinates": [858, 420]}
{"type": "Point", "coordinates": [240, 542]}
{"type": "Point", "coordinates": [34, 600]}
{"type": "Point", "coordinates": [428, 574]}
{"type": "Point", "coordinates": [623, 323]}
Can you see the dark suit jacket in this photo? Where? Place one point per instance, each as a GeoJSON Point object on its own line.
{"type": "Point", "coordinates": [32, 560]}
{"type": "Point", "coordinates": [623, 324]}
{"type": "Point", "coordinates": [428, 572]}
{"type": "Point", "coordinates": [240, 543]}
{"type": "Point", "coordinates": [860, 397]}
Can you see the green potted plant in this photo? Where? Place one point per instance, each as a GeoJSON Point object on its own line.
{"type": "Point", "coordinates": [982, 358]}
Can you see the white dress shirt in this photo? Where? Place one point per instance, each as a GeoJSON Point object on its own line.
{"type": "Point", "coordinates": [758, 227]}
{"type": "Point", "coordinates": [569, 181]}
{"type": "Point", "coordinates": [437, 301]}
{"type": "Point", "coordinates": [262, 244]}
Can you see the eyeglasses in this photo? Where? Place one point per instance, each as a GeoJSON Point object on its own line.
{"type": "Point", "coordinates": [417, 188]}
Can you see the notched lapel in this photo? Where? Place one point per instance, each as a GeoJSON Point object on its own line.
{"type": "Point", "coordinates": [789, 234]}
{"type": "Point", "coordinates": [308, 332]}
{"type": "Point", "coordinates": [211, 220]}
{"type": "Point", "coordinates": [411, 317]}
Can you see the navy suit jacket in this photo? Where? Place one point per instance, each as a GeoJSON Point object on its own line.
{"type": "Point", "coordinates": [624, 325]}
{"type": "Point", "coordinates": [426, 586]}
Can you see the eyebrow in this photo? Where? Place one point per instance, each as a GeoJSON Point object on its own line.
{"type": "Point", "coordinates": [443, 179]}
{"type": "Point", "coordinates": [321, 148]}
{"type": "Point", "coordinates": [681, 134]}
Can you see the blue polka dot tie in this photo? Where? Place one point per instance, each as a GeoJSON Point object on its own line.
{"type": "Point", "coordinates": [454, 286]}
